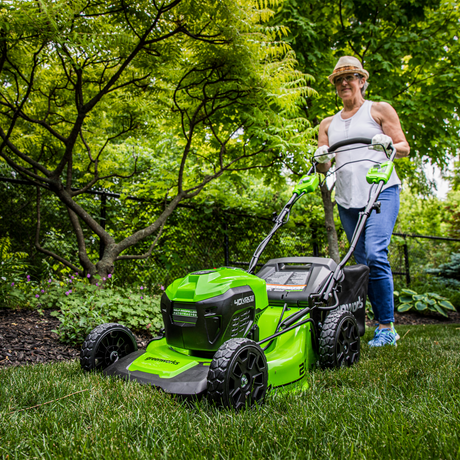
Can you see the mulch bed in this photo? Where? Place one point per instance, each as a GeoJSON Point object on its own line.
{"type": "Point", "coordinates": [414, 319]}
{"type": "Point", "coordinates": [26, 337]}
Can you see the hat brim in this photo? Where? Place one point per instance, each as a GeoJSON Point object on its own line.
{"type": "Point", "coordinates": [335, 74]}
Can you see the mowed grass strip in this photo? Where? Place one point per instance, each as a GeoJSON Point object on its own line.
{"type": "Point", "coordinates": [396, 403]}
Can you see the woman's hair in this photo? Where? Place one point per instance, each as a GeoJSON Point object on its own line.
{"type": "Point", "coordinates": [363, 89]}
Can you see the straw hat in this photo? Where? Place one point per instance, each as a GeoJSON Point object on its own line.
{"type": "Point", "coordinates": [348, 64]}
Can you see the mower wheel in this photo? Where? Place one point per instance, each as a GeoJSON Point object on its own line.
{"type": "Point", "coordinates": [238, 374]}
{"type": "Point", "coordinates": [339, 342]}
{"type": "Point", "coordinates": [105, 345]}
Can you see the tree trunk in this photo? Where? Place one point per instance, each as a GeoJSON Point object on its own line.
{"type": "Point", "coordinates": [332, 239]}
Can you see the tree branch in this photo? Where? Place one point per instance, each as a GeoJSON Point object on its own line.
{"type": "Point", "coordinates": [148, 253]}
{"type": "Point", "coordinates": [37, 239]}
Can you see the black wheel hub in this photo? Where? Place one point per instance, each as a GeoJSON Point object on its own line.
{"type": "Point", "coordinates": [111, 348]}
{"type": "Point", "coordinates": [347, 350]}
{"type": "Point", "coordinates": [246, 377]}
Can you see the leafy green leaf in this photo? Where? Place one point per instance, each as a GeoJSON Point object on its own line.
{"type": "Point", "coordinates": [408, 291]}
{"type": "Point", "coordinates": [405, 299]}
{"type": "Point", "coordinates": [422, 297]}
{"type": "Point", "coordinates": [441, 311]}
{"type": "Point", "coordinates": [420, 306]}
{"type": "Point", "coordinates": [404, 307]}
{"type": "Point", "coordinates": [435, 296]}
{"type": "Point", "coordinates": [447, 305]}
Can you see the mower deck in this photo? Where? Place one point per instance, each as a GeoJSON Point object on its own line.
{"type": "Point", "coordinates": [164, 367]}
{"type": "Point", "coordinates": [176, 371]}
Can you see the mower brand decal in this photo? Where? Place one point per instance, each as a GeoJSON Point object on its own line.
{"type": "Point", "coordinates": [166, 361]}
{"type": "Point", "coordinates": [184, 312]}
{"type": "Point", "coordinates": [244, 300]}
{"type": "Point", "coordinates": [352, 306]}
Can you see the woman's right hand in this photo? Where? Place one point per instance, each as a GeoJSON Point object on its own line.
{"type": "Point", "coordinates": [322, 155]}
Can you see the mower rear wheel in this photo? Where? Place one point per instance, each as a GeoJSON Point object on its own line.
{"type": "Point", "coordinates": [339, 341]}
{"type": "Point", "coordinates": [238, 374]}
{"type": "Point", "coordinates": [105, 345]}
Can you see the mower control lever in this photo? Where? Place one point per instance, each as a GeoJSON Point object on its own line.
{"type": "Point", "coordinates": [376, 206]}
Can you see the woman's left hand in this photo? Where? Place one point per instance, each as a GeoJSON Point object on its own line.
{"type": "Point", "coordinates": [381, 139]}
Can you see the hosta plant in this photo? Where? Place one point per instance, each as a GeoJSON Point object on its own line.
{"type": "Point", "coordinates": [422, 303]}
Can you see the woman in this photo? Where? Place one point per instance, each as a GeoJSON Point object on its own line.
{"type": "Point", "coordinates": [377, 121]}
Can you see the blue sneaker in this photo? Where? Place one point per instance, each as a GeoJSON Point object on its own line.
{"type": "Point", "coordinates": [382, 337]}
{"type": "Point", "coordinates": [376, 333]}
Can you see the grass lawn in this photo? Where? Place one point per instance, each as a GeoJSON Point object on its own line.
{"type": "Point", "coordinates": [396, 403]}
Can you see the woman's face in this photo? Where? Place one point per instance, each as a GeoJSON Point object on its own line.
{"type": "Point", "coordinates": [349, 85]}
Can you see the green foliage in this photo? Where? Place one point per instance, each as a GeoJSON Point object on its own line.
{"type": "Point", "coordinates": [448, 273]}
{"type": "Point", "coordinates": [13, 267]}
{"type": "Point", "coordinates": [452, 213]}
{"type": "Point", "coordinates": [430, 302]}
{"type": "Point", "coordinates": [89, 306]}
{"type": "Point", "coordinates": [369, 311]}
{"type": "Point", "coordinates": [155, 101]}
{"type": "Point", "coordinates": [423, 216]}
{"type": "Point", "coordinates": [83, 306]}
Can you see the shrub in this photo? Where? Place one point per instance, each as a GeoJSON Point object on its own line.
{"type": "Point", "coordinates": [88, 306]}
{"type": "Point", "coordinates": [83, 306]}
{"type": "Point", "coordinates": [423, 303]}
{"type": "Point", "coordinates": [448, 273]}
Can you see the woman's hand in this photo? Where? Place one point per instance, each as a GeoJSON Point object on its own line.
{"type": "Point", "coordinates": [322, 155]}
{"type": "Point", "coordinates": [381, 139]}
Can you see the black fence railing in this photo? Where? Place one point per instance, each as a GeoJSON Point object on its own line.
{"type": "Point", "coordinates": [195, 237]}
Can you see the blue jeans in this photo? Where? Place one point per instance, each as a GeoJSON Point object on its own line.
{"type": "Point", "coordinates": [372, 250]}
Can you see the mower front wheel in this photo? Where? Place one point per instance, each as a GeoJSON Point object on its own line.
{"type": "Point", "coordinates": [105, 345]}
{"type": "Point", "coordinates": [238, 374]}
{"type": "Point", "coordinates": [339, 341]}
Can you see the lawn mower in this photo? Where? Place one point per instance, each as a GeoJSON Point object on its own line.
{"type": "Point", "coordinates": [231, 334]}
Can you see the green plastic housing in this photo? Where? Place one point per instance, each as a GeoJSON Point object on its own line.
{"type": "Point", "coordinates": [206, 284]}
{"type": "Point", "coordinates": [380, 172]}
{"type": "Point", "coordinates": [307, 184]}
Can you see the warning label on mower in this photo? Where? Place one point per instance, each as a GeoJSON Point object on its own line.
{"type": "Point", "coordinates": [287, 281]}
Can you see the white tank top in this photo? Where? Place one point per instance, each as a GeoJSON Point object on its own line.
{"type": "Point", "coordinates": [351, 188]}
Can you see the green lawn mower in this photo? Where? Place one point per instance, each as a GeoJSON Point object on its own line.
{"type": "Point", "coordinates": [231, 334]}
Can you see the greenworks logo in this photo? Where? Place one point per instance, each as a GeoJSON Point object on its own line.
{"type": "Point", "coordinates": [166, 361]}
{"type": "Point", "coordinates": [184, 312]}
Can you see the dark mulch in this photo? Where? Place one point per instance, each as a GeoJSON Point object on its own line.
{"type": "Point", "coordinates": [26, 338]}
{"type": "Point", "coordinates": [413, 319]}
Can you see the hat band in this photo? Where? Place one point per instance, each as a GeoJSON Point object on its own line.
{"type": "Point", "coordinates": [347, 67]}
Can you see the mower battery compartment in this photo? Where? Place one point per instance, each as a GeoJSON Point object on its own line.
{"type": "Point", "coordinates": [205, 325]}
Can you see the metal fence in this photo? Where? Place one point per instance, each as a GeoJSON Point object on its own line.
{"type": "Point", "coordinates": [194, 237]}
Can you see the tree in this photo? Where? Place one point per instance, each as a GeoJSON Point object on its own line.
{"type": "Point", "coordinates": [161, 97]}
{"type": "Point", "coordinates": [411, 51]}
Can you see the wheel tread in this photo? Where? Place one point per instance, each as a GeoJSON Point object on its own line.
{"type": "Point", "coordinates": [327, 338]}
{"type": "Point", "coordinates": [218, 369]}
{"type": "Point", "coordinates": [92, 340]}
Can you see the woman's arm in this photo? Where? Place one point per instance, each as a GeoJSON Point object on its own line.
{"type": "Point", "coordinates": [323, 139]}
{"type": "Point", "coordinates": [385, 115]}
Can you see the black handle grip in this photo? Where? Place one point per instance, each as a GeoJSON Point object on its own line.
{"type": "Point", "coordinates": [354, 140]}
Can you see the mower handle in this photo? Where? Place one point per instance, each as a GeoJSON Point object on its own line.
{"type": "Point", "coordinates": [354, 140]}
